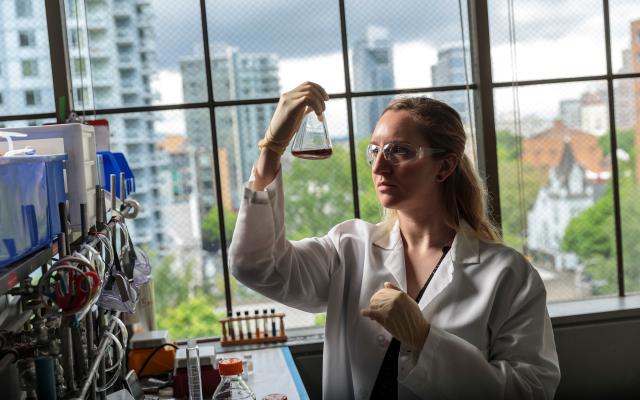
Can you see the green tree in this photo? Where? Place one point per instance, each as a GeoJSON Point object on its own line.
{"type": "Point", "coordinates": [513, 191]}
{"type": "Point", "coordinates": [517, 193]}
{"type": "Point", "coordinates": [211, 229]}
{"type": "Point", "coordinates": [193, 317]}
{"type": "Point", "coordinates": [318, 194]}
{"type": "Point", "coordinates": [591, 236]}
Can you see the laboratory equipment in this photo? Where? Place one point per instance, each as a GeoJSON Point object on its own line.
{"type": "Point", "coordinates": [312, 140]}
{"type": "Point", "coordinates": [232, 386]}
{"type": "Point", "coordinates": [193, 370]}
{"type": "Point", "coordinates": [77, 141]}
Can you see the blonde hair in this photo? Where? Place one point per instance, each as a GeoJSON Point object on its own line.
{"type": "Point", "coordinates": [464, 193]}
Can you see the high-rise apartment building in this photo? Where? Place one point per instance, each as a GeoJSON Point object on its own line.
{"type": "Point", "coordinates": [449, 70]}
{"type": "Point", "coordinates": [236, 75]}
{"type": "Point", "coordinates": [118, 35]}
{"type": "Point", "coordinates": [25, 70]}
{"type": "Point", "coordinates": [372, 70]}
{"type": "Point", "coordinates": [117, 74]}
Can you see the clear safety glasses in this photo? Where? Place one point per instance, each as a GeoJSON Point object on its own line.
{"type": "Point", "coordinates": [397, 152]}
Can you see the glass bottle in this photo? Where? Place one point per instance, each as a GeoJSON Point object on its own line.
{"type": "Point", "coordinates": [232, 386]}
{"type": "Point", "coordinates": [312, 141]}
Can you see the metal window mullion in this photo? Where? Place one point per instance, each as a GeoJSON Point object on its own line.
{"type": "Point", "coordinates": [484, 113]}
{"type": "Point", "coordinates": [348, 97]}
{"type": "Point", "coordinates": [613, 153]}
{"type": "Point", "coordinates": [59, 53]}
{"type": "Point", "coordinates": [216, 161]}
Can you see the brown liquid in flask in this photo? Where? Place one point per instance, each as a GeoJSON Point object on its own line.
{"type": "Point", "coordinates": [320, 154]}
{"type": "Point", "coordinates": [312, 141]}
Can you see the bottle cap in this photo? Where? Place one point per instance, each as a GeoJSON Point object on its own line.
{"type": "Point", "coordinates": [275, 396]}
{"type": "Point", "coordinates": [230, 366]}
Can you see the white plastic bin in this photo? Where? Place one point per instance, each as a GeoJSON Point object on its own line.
{"type": "Point", "coordinates": [78, 142]}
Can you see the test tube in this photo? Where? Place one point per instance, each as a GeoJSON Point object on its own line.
{"type": "Point", "coordinates": [232, 333]}
{"type": "Point", "coordinates": [224, 333]}
{"type": "Point", "coordinates": [246, 316]}
{"type": "Point", "coordinates": [273, 322]}
{"type": "Point", "coordinates": [265, 319]}
{"type": "Point", "coordinates": [257, 322]}
{"type": "Point", "coordinates": [240, 330]}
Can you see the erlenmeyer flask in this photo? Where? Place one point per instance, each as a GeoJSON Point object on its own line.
{"type": "Point", "coordinates": [312, 141]}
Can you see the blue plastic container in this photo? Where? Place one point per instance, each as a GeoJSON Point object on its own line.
{"type": "Point", "coordinates": [115, 163]}
{"type": "Point", "coordinates": [128, 174]}
{"type": "Point", "coordinates": [30, 189]}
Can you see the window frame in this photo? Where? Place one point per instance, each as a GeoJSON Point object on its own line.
{"type": "Point", "coordinates": [482, 86]}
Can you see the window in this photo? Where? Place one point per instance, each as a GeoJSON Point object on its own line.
{"type": "Point", "coordinates": [74, 38]}
{"type": "Point", "coordinates": [27, 38]}
{"type": "Point", "coordinates": [392, 50]}
{"type": "Point", "coordinates": [32, 97]}
{"type": "Point", "coordinates": [79, 66]}
{"type": "Point", "coordinates": [29, 68]}
{"type": "Point", "coordinates": [24, 8]}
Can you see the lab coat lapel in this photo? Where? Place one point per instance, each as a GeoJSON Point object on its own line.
{"type": "Point", "coordinates": [389, 244]}
{"type": "Point", "coordinates": [464, 250]}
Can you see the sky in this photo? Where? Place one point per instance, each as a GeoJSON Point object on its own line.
{"type": "Point", "coordinates": [555, 39]}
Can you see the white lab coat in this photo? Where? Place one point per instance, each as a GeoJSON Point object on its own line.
{"type": "Point", "coordinates": [490, 336]}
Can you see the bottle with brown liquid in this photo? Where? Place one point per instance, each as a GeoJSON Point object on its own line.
{"type": "Point", "coordinates": [312, 141]}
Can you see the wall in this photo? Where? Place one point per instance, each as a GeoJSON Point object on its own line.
{"type": "Point", "coordinates": [598, 360]}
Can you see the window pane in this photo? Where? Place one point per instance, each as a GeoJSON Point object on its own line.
{"type": "Point", "coordinates": [550, 42]}
{"type": "Point", "coordinates": [397, 45]}
{"type": "Point", "coordinates": [627, 131]}
{"type": "Point", "coordinates": [273, 45]}
{"type": "Point", "coordinates": [26, 86]}
{"type": "Point", "coordinates": [555, 194]}
{"type": "Point", "coordinates": [135, 50]}
{"type": "Point", "coordinates": [625, 34]}
{"type": "Point", "coordinates": [318, 193]}
{"type": "Point", "coordinates": [172, 229]}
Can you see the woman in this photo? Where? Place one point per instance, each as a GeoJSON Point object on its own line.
{"type": "Point", "coordinates": [426, 304]}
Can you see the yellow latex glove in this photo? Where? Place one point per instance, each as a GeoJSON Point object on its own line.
{"type": "Point", "coordinates": [400, 315]}
{"type": "Point", "coordinates": [289, 114]}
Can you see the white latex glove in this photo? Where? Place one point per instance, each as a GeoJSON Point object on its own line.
{"type": "Point", "coordinates": [290, 112]}
{"type": "Point", "coordinates": [400, 315]}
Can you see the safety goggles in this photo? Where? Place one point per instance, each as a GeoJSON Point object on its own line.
{"type": "Point", "coordinates": [399, 152]}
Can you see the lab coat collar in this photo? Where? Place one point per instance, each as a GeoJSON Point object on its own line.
{"type": "Point", "coordinates": [465, 250]}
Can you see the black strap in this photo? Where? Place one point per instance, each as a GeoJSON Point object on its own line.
{"type": "Point", "coordinates": [386, 385]}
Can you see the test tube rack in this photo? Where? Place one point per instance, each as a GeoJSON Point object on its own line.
{"type": "Point", "coordinates": [240, 330]}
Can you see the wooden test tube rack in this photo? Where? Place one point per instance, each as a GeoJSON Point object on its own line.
{"type": "Point", "coordinates": [231, 324]}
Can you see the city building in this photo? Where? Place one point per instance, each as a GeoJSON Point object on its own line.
{"type": "Point", "coordinates": [449, 70]}
{"type": "Point", "coordinates": [122, 53]}
{"type": "Point", "coordinates": [624, 102]}
{"type": "Point", "coordinates": [567, 194]}
{"type": "Point", "coordinates": [594, 112]}
{"type": "Point", "coordinates": [183, 227]}
{"type": "Point", "coordinates": [372, 63]}
{"type": "Point", "coordinates": [545, 149]}
{"type": "Point", "coordinates": [25, 69]}
{"type": "Point", "coordinates": [236, 75]}
{"type": "Point", "coordinates": [570, 113]}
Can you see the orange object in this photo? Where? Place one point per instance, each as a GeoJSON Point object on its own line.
{"type": "Point", "coordinates": [162, 361]}
{"type": "Point", "coordinates": [230, 366]}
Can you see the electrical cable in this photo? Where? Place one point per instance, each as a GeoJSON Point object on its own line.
{"type": "Point", "coordinates": [116, 375]}
{"type": "Point", "coordinates": [150, 356]}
